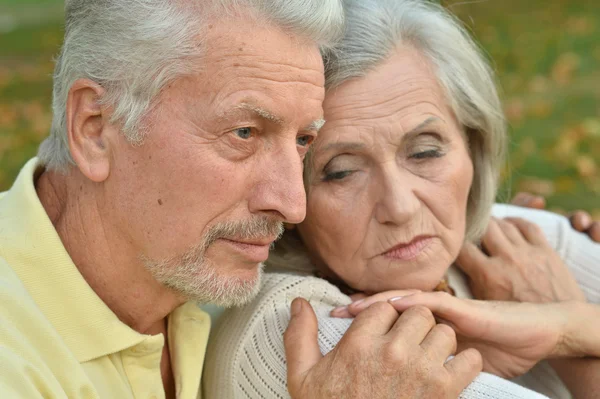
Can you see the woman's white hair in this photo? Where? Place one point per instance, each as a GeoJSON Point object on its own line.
{"type": "Point", "coordinates": [134, 48]}
{"type": "Point", "coordinates": [374, 30]}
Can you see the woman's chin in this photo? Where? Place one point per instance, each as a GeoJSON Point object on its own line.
{"type": "Point", "coordinates": [405, 275]}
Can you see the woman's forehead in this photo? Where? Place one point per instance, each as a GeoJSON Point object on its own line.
{"type": "Point", "coordinates": [402, 86]}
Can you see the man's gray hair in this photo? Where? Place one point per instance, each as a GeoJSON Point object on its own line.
{"type": "Point", "coordinates": [376, 28]}
{"type": "Point", "coordinates": [134, 48]}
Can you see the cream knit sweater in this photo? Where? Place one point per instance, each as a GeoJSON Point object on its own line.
{"type": "Point", "coordinates": [246, 357]}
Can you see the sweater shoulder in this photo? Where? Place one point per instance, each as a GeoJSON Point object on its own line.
{"type": "Point", "coordinates": [246, 356]}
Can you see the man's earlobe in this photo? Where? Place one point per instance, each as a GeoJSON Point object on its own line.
{"type": "Point", "coordinates": [87, 130]}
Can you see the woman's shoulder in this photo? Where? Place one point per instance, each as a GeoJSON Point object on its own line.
{"type": "Point", "coordinates": [280, 289]}
{"type": "Point", "coordinates": [277, 292]}
{"type": "Point", "coordinates": [246, 355]}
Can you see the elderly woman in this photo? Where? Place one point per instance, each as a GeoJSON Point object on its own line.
{"type": "Point", "coordinates": [401, 176]}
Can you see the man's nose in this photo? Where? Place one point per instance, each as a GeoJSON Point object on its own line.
{"type": "Point", "coordinates": [280, 189]}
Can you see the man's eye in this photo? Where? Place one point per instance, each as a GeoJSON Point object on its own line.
{"type": "Point", "coordinates": [304, 141]}
{"type": "Point", "coordinates": [243, 132]}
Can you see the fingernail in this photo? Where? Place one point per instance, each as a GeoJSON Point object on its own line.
{"type": "Point", "coordinates": [397, 298]}
{"type": "Point", "coordinates": [357, 303]}
{"type": "Point", "coordinates": [586, 219]}
{"type": "Point", "coordinates": [339, 309]}
{"type": "Point", "coordinates": [296, 307]}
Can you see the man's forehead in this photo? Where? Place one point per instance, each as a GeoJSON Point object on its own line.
{"type": "Point", "coordinates": [235, 39]}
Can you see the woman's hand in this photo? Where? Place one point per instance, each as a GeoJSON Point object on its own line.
{"type": "Point", "coordinates": [580, 220]}
{"type": "Point", "coordinates": [511, 337]}
{"type": "Point", "coordinates": [518, 265]}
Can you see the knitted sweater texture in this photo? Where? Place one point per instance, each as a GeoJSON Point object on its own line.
{"type": "Point", "coordinates": [246, 357]}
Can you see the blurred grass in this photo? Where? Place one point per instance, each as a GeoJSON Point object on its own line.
{"type": "Point", "coordinates": [546, 54]}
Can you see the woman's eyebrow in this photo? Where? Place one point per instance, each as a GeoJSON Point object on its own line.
{"type": "Point", "coordinates": [356, 145]}
{"type": "Point", "coordinates": [419, 128]}
{"type": "Point", "coordinates": [422, 125]}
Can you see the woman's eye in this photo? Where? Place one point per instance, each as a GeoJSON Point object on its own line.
{"type": "Point", "coordinates": [427, 154]}
{"type": "Point", "coordinates": [337, 175]}
{"type": "Point", "coordinates": [304, 141]}
{"type": "Point", "coordinates": [243, 132]}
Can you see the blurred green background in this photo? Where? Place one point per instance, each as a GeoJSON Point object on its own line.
{"type": "Point", "coordinates": [546, 54]}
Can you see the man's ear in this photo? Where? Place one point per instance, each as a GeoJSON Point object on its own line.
{"type": "Point", "coordinates": [88, 131]}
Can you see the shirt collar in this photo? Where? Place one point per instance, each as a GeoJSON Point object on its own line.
{"type": "Point", "coordinates": [34, 250]}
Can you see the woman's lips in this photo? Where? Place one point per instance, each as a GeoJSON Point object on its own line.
{"type": "Point", "coordinates": [409, 251]}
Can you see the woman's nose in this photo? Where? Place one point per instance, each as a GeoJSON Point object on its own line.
{"type": "Point", "coordinates": [397, 202]}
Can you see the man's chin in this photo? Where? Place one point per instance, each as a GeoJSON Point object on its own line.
{"type": "Point", "coordinates": [233, 290]}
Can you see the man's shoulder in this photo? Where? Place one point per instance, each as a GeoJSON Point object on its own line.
{"type": "Point", "coordinates": [19, 314]}
{"type": "Point", "coordinates": [28, 342]}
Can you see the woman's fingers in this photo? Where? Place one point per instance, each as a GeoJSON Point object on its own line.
{"type": "Point", "coordinates": [528, 200]}
{"type": "Point", "coordinates": [531, 231]}
{"type": "Point", "coordinates": [358, 296]}
{"type": "Point", "coordinates": [511, 231]}
{"type": "Point", "coordinates": [594, 231]}
{"type": "Point", "coordinates": [341, 312]}
{"type": "Point", "coordinates": [495, 241]}
{"type": "Point", "coordinates": [358, 306]}
{"type": "Point", "coordinates": [471, 260]}
{"type": "Point", "coordinates": [459, 312]}
{"type": "Point", "coordinates": [580, 220]}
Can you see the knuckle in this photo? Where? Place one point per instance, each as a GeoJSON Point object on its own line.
{"type": "Point", "coordinates": [439, 380]}
{"type": "Point", "coordinates": [356, 343]}
{"type": "Point", "coordinates": [377, 311]}
{"type": "Point", "coordinates": [394, 355]}
{"type": "Point", "coordinates": [446, 331]}
{"type": "Point", "coordinates": [378, 307]}
{"type": "Point", "coordinates": [421, 312]}
{"type": "Point", "coordinates": [473, 358]}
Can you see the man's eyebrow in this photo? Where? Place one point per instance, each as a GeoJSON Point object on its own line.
{"type": "Point", "coordinates": [263, 113]}
{"type": "Point", "coordinates": [315, 125]}
{"type": "Point", "coordinates": [254, 109]}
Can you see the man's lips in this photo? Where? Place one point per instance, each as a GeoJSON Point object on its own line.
{"type": "Point", "coordinates": [410, 250]}
{"type": "Point", "coordinates": [256, 250]}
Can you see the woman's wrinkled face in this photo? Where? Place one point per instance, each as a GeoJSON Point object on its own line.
{"type": "Point", "coordinates": [389, 180]}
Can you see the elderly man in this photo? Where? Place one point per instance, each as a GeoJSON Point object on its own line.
{"type": "Point", "coordinates": [174, 158]}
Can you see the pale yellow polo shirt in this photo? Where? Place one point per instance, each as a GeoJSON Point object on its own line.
{"type": "Point", "coordinates": [58, 339]}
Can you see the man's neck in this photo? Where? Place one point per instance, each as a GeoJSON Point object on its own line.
{"type": "Point", "coordinates": [103, 256]}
